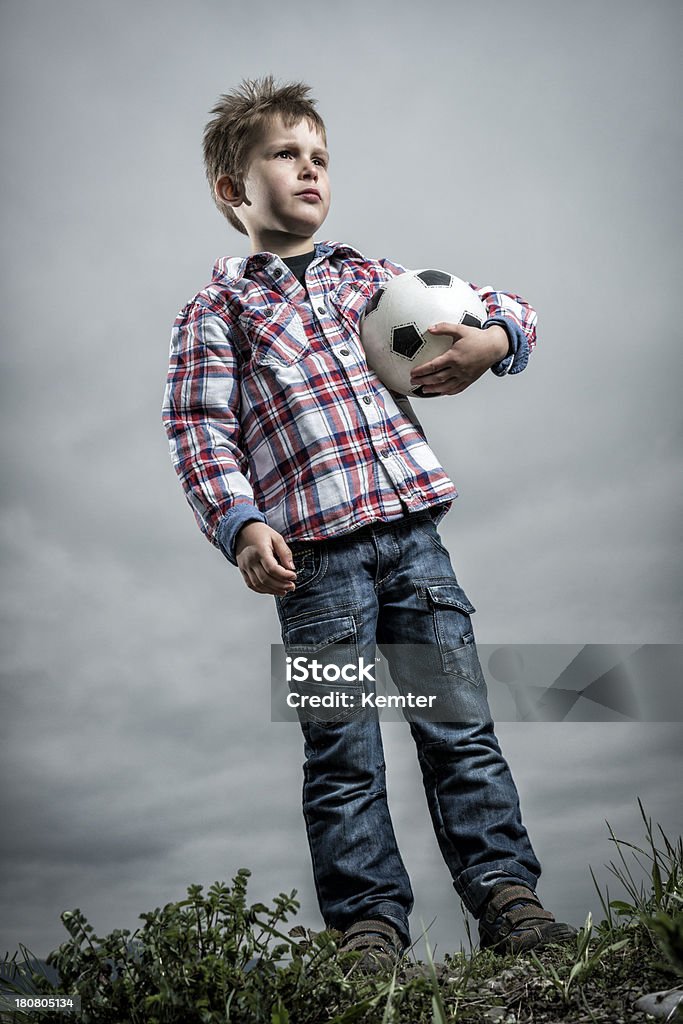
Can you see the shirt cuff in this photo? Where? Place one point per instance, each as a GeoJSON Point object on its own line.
{"type": "Point", "coordinates": [230, 525]}
{"type": "Point", "coordinates": [518, 354]}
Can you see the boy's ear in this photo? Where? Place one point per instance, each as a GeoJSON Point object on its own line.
{"type": "Point", "coordinates": [229, 192]}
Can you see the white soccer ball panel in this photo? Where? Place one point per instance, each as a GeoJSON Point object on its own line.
{"type": "Point", "coordinates": [394, 327]}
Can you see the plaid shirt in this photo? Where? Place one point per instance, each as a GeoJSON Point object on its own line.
{"type": "Point", "coordinates": [272, 413]}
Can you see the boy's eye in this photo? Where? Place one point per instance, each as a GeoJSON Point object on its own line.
{"type": "Point", "coordinates": [288, 152]}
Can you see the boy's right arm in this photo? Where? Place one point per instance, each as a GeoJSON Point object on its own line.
{"type": "Point", "coordinates": [201, 418]}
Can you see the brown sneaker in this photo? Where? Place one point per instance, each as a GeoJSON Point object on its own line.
{"type": "Point", "coordinates": [514, 920]}
{"type": "Point", "coordinates": [380, 944]}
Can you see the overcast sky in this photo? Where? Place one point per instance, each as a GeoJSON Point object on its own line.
{"type": "Point", "coordinates": [532, 146]}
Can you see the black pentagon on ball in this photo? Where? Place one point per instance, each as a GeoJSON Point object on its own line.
{"type": "Point", "coordinates": [470, 320]}
{"type": "Point", "coordinates": [421, 393]}
{"type": "Point", "coordinates": [406, 341]}
{"type": "Point", "coordinates": [373, 302]}
{"type": "Point", "coordinates": [435, 278]}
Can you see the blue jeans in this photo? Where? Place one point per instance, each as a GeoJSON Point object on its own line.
{"type": "Point", "coordinates": [393, 584]}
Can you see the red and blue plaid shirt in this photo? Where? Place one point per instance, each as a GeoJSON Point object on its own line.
{"type": "Point", "coordinates": [272, 413]}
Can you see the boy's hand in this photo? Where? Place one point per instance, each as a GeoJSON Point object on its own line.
{"type": "Point", "coordinates": [473, 352]}
{"type": "Point", "coordinates": [264, 559]}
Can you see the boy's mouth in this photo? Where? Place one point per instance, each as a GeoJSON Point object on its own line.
{"type": "Point", "coordinates": [309, 193]}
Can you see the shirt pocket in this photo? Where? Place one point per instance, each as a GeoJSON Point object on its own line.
{"type": "Point", "coordinates": [351, 298]}
{"type": "Point", "coordinates": [276, 334]}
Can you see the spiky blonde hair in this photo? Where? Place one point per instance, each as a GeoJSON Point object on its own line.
{"type": "Point", "coordinates": [240, 118]}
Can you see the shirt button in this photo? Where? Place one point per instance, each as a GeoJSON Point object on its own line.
{"type": "Point", "coordinates": [344, 352]}
{"type": "Point", "coordinates": [321, 309]}
{"type": "Point", "coordinates": [268, 312]}
{"type": "Point", "coordinates": [367, 399]}
{"type": "Point", "coordinates": [277, 272]}
{"type": "Point", "coordinates": [385, 453]}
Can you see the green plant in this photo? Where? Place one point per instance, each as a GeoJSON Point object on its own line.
{"type": "Point", "coordinates": [657, 908]}
{"type": "Point", "coordinates": [214, 959]}
{"type": "Point", "coordinates": [192, 957]}
{"type": "Point", "coordinates": [668, 932]}
{"type": "Point", "coordinates": [585, 961]}
{"type": "Point", "coordinates": [438, 1008]}
{"type": "Point", "coordinates": [208, 959]}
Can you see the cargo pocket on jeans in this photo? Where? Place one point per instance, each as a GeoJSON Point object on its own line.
{"type": "Point", "coordinates": [452, 609]}
{"type": "Point", "coordinates": [323, 667]}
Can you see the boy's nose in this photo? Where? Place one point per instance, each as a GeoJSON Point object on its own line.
{"type": "Point", "coordinates": [309, 170]}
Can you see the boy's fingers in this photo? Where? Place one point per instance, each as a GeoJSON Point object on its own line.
{"type": "Point", "coordinates": [444, 328]}
{"type": "Point", "coordinates": [278, 573]}
{"type": "Point", "coordinates": [444, 363]}
{"type": "Point", "coordinates": [450, 366]}
{"type": "Point", "coordinates": [439, 370]}
{"type": "Point", "coordinates": [281, 549]}
{"type": "Point", "coordinates": [269, 574]}
{"type": "Point", "coordinates": [264, 585]}
{"type": "Point", "coordinates": [436, 376]}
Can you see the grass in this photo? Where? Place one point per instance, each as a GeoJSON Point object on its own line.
{"type": "Point", "coordinates": [214, 958]}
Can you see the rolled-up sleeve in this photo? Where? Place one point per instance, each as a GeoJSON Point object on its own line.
{"type": "Point", "coordinates": [519, 320]}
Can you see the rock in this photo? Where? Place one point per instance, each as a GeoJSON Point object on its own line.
{"type": "Point", "coordinates": [662, 1004]}
{"type": "Point", "coordinates": [507, 979]}
{"type": "Point", "coordinates": [444, 972]}
{"type": "Point", "coordinates": [496, 1014]}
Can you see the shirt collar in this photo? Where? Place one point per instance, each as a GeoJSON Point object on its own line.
{"type": "Point", "coordinates": [229, 269]}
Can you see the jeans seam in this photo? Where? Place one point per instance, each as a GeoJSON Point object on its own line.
{"type": "Point", "coordinates": [378, 583]}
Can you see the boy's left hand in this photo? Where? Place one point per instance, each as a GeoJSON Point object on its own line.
{"type": "Point", "coordinates": [473, 352]}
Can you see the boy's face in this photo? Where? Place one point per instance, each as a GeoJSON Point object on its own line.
{"type": "Point", "coordinates": [286, 194]}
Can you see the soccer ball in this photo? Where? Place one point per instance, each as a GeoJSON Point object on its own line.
{"type": "Point", "coordinates": [394, 324]}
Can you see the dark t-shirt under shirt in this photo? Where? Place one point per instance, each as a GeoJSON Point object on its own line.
{"type": "Point", "coordinates": [298, 265]}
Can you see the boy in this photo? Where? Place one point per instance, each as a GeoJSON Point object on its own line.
{"type": "Point", "coordinates": [318, 483]}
